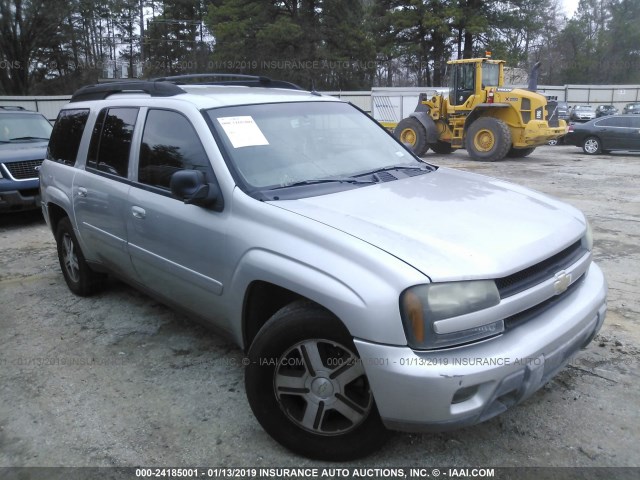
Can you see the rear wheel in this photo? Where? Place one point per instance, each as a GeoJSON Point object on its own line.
{"type": "Point", "coordinates": [413, 134]}
{"type": "Point", "coordinates": [488, 139]}
{"type": "Point", "coordinates": [520, 152]}
{"type": "Point", "coordinates": [591, 146]}
{"type": "Point", "coordinates": [308, 389]}
{"type": "Point", "coordinates": [443, 148]}
{"type": "Point", "coordinates": [80, 279]}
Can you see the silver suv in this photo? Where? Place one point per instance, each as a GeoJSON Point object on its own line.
{"type": "Point", "coordinates": [370, 290]}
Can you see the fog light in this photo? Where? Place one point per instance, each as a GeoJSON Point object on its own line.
{"type": "Point", "coordinates": [464, 394]}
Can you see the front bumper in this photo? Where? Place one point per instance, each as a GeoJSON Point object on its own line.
{"type": "Point", "coordinates": [443, 390]}
{"type": "Point", "coordinates": [17, 200]}
{"type": "Point", "coordinates": [539, 132]}
{"type": "Point", "coordinates": [583, 118]}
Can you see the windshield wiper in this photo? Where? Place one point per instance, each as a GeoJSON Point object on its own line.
{"type": "Point", "coordinates": [314, 181]}
{"type": "Point", "coordinates": [28, 138]}
{"type": "Point", "coordinates": [425, 167]}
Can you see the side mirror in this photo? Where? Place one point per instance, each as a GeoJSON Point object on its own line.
{"type": "Point", "coordinates": [191, 187]}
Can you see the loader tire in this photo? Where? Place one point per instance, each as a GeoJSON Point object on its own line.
{"type": "Point", "coordinates": [443, 148]}
{"type": "Point", "coordinates": [520, 152]}
{"type": "Point", "coordinates": [413, 134]}
{"type": "Point", "coordinates": [488, 139]}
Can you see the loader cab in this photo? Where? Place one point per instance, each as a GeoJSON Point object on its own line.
{"type": "Point", "coordinates": [461, 83]}
{"type": "Point", "coordinates": [471, 77]}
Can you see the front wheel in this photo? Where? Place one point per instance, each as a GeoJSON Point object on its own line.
{"type": "Point", "coordinates": [412, 134]}
{"type": "Point", "coordinates": [307, 386]}
{"type": "Point", "coordinates": [488, 139]}
{"type": "Point", "coordinates": [591, 146]}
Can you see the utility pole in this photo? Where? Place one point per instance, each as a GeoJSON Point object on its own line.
{"type": "Point", "coordinates": [142, 33]}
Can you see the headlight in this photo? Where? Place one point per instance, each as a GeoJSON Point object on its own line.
{"type": "Point", "coordinates": [423, 305]}
{"type": "Point", "coordinates": [587, 240]}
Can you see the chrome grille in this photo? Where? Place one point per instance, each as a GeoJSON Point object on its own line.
{"type": "Point", "coordinates": [23, 170]}
{"type": "Point", "coordinates": [522, 317]}
{"type": "Point", "coordinates": [538, 273]}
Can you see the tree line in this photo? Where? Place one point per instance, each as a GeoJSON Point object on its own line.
{"type": "Point", "coordinates": [56, 46]}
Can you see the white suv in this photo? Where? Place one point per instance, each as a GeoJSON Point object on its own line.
{"type": "Point", "coordinates": [371, 290]}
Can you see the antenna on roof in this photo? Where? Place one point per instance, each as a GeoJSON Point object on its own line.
{"type": "Point", "coordinates": [313, 88]}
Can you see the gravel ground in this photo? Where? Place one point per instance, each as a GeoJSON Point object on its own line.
{"type": "Point", "coordinates": [120, 380]}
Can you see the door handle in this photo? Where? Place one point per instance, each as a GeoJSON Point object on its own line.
{"type": "Point", "coordinates": [82, 192]}
{"type": "Point", "coordinates": [138, 212]}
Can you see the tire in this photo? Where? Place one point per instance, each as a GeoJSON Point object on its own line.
{"type": "Point", "coordinates": [553, 142]}
{"type": "Point", "coordinates": [443, 148]}
{"type": "Point", "coordinates": [413, 134]}
{"type": "Point", "coordinates": [303, 406]}
{"type": "Point", "coordinates": [520, 152]}
{"type": "Point", "coordinates": [488, 139]}
{"type": "Point", "coordinates": [80, 279]}
{"type": "Point", "coordinates": [591, 146]}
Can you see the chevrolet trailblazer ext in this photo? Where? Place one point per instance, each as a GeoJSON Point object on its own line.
{"type": "Point", "coordinates": [371, 290]}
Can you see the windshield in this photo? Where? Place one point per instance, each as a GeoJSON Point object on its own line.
{"type": "Point", "coordinates": [274, 146]}
{"type": "Point", "coordinates": [490, 74]}
{"type": "Point", "coordinates": [18, 127]}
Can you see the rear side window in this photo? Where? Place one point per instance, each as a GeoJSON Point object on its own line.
{"type": "Point", "coordinates": [66, 136]}
{"type": "Point", "coordinates": [169, 143]}
{"type": "Point", "coordinates": [111, 140]}
{"type": "Point", "coordinates": [614, 122]}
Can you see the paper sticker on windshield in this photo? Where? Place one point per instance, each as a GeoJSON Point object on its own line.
{"type": "Point", "coordinates": [242, 131]}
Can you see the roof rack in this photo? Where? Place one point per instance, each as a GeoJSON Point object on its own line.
{"type": "Point", "coordinates": [232, 79]}
{"type": "Point", "coordinates": [169, 86]}
{"type": "Point", "coordinates": [103, 90]}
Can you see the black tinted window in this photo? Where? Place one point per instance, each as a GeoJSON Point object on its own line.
{"type": "Point", "coordinates": [614, 122]}
{"type": "Point", "coordinates": [66, 136]}
{"type": "Point", "coordinates": [169, 144]}
{"type": "Point", "coordinates": [634, 122]}
{"type": "Point", "coordinates": [111, 140]}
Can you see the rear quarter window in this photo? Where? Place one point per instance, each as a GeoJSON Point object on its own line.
{"type": "Point", "coordinates": [66, 135]}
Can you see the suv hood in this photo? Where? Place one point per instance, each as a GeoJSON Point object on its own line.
{"type": "Point", "coordinates": [450, 225]}
{"type": "Point", "coordinates": [19, 151]}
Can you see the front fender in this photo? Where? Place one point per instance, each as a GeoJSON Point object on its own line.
{"type": "Point", "coordinates": [429, 125]}
{"type": "Point", "coordinates": [366, 315]}
{"type": "Point", "coordinates": [497, 110]}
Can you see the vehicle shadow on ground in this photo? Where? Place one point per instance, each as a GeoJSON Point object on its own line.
{"type": "Point", "coordinates": [12, 220]}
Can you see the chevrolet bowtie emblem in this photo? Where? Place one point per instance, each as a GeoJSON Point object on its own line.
{"type": "Point", "coordinates": [562, 282]}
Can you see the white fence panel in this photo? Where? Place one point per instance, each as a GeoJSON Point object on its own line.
{"type": "Point", "coordinates": [389, 104]}
{"type": "Point", "coordinates": [49, 106]}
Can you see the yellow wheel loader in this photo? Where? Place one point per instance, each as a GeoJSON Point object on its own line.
{"type": "Point", "coordinates": [482, 115]}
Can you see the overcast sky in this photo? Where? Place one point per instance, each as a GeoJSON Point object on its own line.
{"type": "Point", "coordinates": [570, 7]}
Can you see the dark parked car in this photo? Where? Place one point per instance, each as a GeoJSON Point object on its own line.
{"type": "Point", "coordinates": [582, 113]}
{"type": "Point", "coordinates": [632, 108]}
{"type": "Point", "coordinates": [619, 132]}
{"type": "Point", "coordinates": [23, 144]}
{"type": "Point", "coordinates": [605, 110]}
